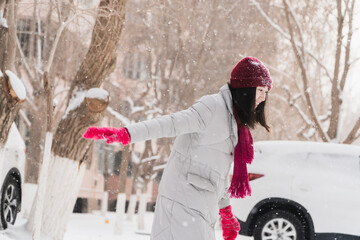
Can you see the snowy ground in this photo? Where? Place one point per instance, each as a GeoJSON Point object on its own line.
{"type": "Point", "coordinates": [93, 227]}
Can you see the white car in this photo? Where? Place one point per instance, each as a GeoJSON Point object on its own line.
{"type": "Point", "coordinates": [302, 190]}
{"type": "Point", "coordinates": [12, 165]}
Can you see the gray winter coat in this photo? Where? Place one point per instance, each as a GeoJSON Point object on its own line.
{"type": "Point", "coordinates": [196, 176]}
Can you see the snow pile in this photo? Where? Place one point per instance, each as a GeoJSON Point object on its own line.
{"type": "Point", "coordinates": [97, 93]}
{"type": "Point", "coordinates": [1, 74]}
{"type": "Point", "coordinates": [3, 21]}
{"type": "Point", "coordinates": [17, 85]}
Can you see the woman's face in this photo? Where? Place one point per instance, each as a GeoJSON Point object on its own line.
{"type": "Point", "coordinates": [261, 93]}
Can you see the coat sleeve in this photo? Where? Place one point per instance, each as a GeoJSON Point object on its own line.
{"type": "Point", "coordinates": [225, 200]}
{"type": "Point", "coordinates": [194, 119]}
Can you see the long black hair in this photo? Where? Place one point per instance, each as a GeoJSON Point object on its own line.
{"type": "Point", "coordinates": [244, 107]}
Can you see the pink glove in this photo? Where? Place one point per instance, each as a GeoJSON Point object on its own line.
{"type": "Point", "coordinates": [229, 224]}
{"type": "Point", "coordinates": [110, 134]}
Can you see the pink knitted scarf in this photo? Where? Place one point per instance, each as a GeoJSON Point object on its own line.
{"type": "Point", "coordinates": [244, 153]}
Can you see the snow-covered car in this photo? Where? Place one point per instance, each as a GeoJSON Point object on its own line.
{"type": "Point", "coordinates": [302, 190]}
{"type": "Point", "coordinates": [12, 164]}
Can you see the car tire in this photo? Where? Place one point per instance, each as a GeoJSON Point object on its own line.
{"type": "Point", "coordinates": [10, 200]}
{"type": "Point", "coordinates": [277, 223]}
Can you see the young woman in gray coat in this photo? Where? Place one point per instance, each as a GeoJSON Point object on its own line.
{"type": "Point", "coordinates": [210, 136]}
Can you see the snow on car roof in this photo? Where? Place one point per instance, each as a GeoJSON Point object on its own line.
{"type": "Point", "coordinates": [291, 147]}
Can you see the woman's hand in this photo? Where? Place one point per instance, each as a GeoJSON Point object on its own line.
{"type": "Point", "coordinates": [110, 134]}
{"type": "Point", "coordinates": [229, 224]}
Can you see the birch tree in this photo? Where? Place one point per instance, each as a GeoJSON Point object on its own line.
{"type": "Point", "coordinates": [69, 149]}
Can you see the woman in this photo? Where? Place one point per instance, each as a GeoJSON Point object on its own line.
{"type": "Point", "coordinates": [211, 135]}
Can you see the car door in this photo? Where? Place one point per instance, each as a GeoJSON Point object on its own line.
{"type": "Point", "coordinates": [328, 185]}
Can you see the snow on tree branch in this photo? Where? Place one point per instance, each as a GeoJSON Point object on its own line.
{"type": "Point", "coordinates": [159, 167]}
{"type": "Point", "coordinates": [25, 118]}
{"type": "Point", "coordinates": [149, 159]}
{"type": "Point", "coordinates": [75, 102]}
{"type": "Point", "coordinates": [3, 21]}
{"type": "Point", "coordinates": [134, 109]}
{"type": "Point", "coordinates": [118, 116]}
{"type": "Point", "coordinates": [97, 93]}
{"type": "Point", "coordinates": [16, 85]}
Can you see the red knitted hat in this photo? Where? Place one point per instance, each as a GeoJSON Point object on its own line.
{"type": "Point", "coordinates": [250, 72]}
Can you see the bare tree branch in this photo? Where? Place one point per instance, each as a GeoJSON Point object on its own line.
{"type": "Point", "coordinates": [335, 101]}
{"type": "Point", "coordinates": [354, 133]}
{"type": "Point", "coordinates": [348, 45]}
{"type": "Point", "coordinates": [287, 36]}
{"type": "Point", "coordinates": [298, 27]}
{"type": "Point", "coordinates": [57, 2]}
{"type": "Point", "coordinates": [56, 41]}
{"type": "Point", "coordinates": [312, 110]}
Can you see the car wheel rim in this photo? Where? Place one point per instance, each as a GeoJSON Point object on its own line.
{"type": "Point", "coordinates": [278, 229]}
{"type": "Point", "coordinates": [10, 204]}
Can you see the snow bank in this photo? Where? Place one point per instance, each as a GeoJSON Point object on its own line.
{"type": "Point", "coordinates": [3, 21]}
{"type": "Point", "coordinates": [94, 226]}
{"type": "Point", "coordinates": [97, 93]}
{"type": "Point", "coordinates": [17, 85]}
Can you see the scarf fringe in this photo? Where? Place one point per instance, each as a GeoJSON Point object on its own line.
{"type": "Point", "coordinates": [244, 154]}
{"type": "Point", "coordinates": [240, 191]}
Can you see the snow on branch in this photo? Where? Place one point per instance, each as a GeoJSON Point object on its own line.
{"type": "Point", "coordinates": [310, 133]}
{"type": "Point", "coordinates": [118, 116]}
{"type": "Point", "coordinates": [3, 22]}
{"type": "Point", "coordinates": [75, 102]}
{"type": "Point", "coordinates": [25, 118]}
{"type": "Point", "coordinates": [159, 167]}
{"type": "Point", "coordinates": [134, 158]}
{"type": "Point", "coordinates": [302, 114]}
{"type": "Point", "coordinates": [16, 85]}
{"type": "Point", "coordinates": [134, 109]}
{"type": "Point", "coordinates": [97, 93]}
{"type": "Point", "coordinates": [296, 106]}
{"type": "Point", "coordinates": [149, 159]}
{"type": "Point", "coordinates": [325, 117]}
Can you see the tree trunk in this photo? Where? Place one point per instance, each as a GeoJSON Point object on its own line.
{"type": "Point", "coordinates": [3, 43]}
{"type": "Point", "coordinates": [9, 108]}
{"type": "Point", "coordinates": [142, 210]}
{"type": "Point", "coordinates": [10, 104]}
{"type": "Point", "coordinates": [125, 158]}
{"type": "Point", "coordinates": [10, 52]}
{"type": "Point", "coordinates": [69, 149]}
{"type": "Point", "coordinates": [34, 152]}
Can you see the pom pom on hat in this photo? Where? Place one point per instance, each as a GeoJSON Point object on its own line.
{"type": "Point", "coordinates": [250, 72]}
